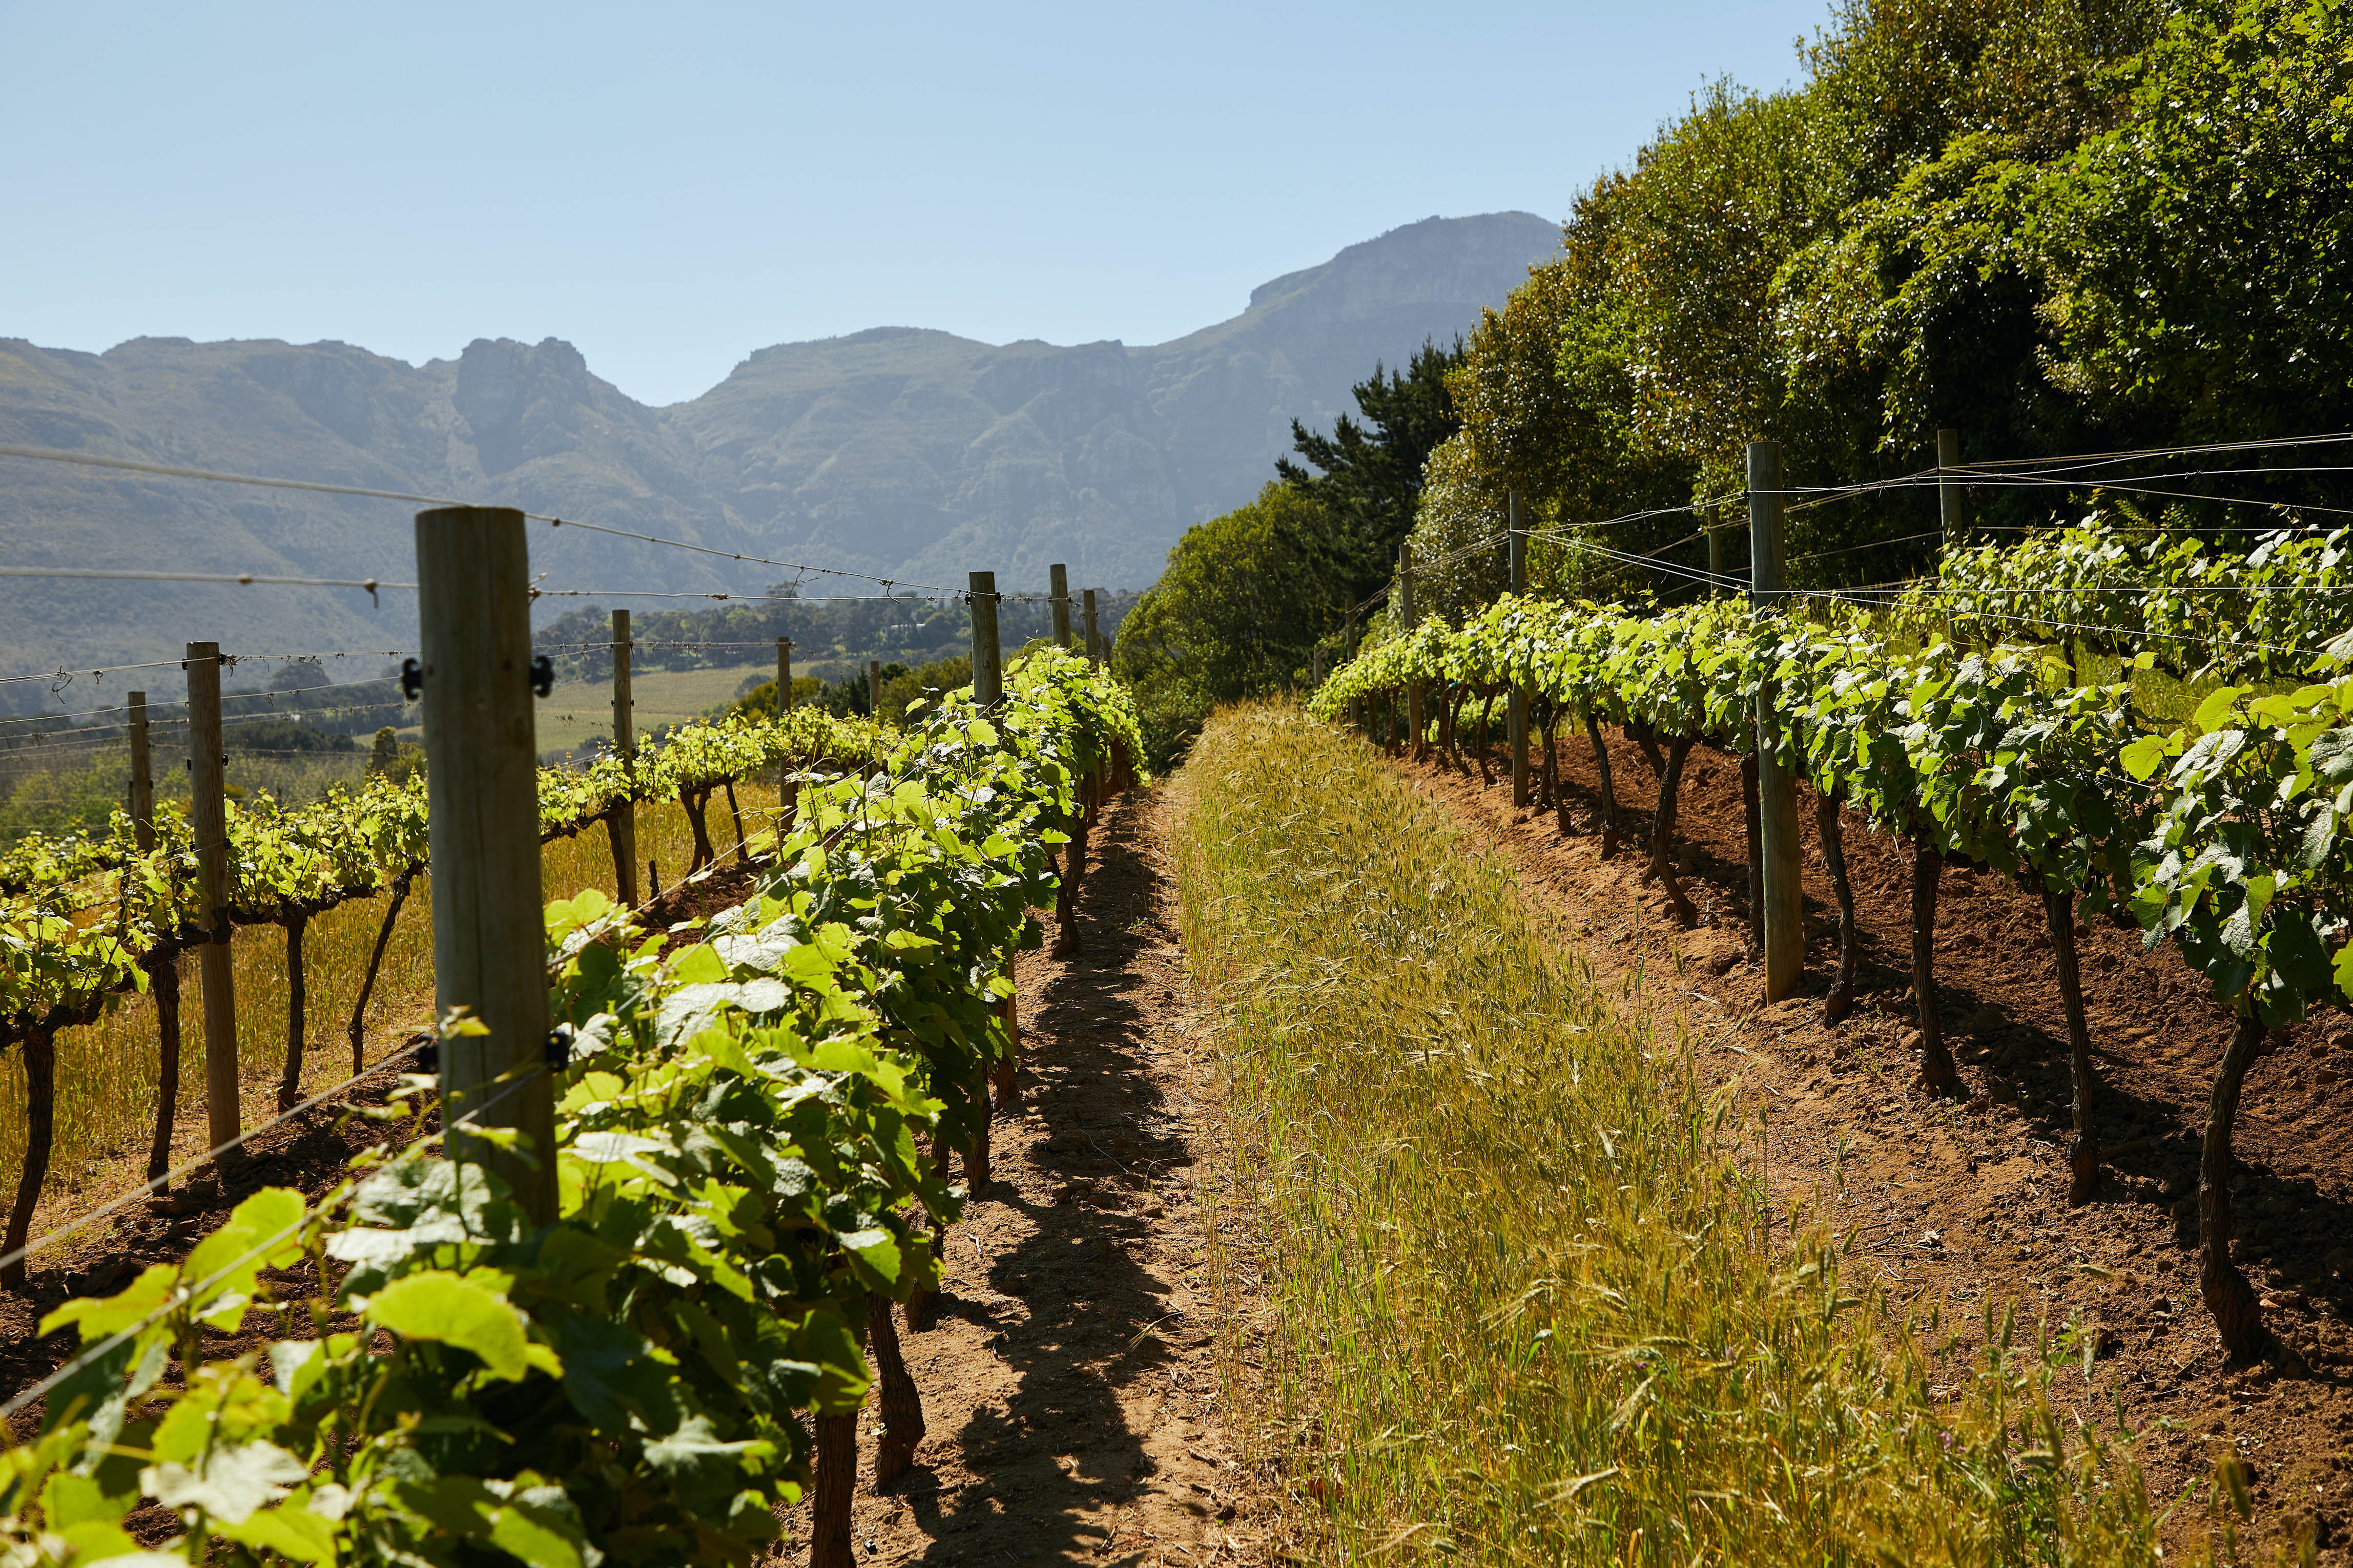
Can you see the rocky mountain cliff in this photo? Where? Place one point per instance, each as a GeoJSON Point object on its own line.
{"type": "Point", "coordinates": [911, 454]}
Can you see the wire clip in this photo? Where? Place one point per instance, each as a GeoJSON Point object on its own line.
{"type": "Point", "coordinates": [543, 675]}
{"type": "Point", "coordinates": [412, 680]}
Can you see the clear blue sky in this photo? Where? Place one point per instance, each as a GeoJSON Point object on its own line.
{"type": "Point", "coordinates": [672, 186]}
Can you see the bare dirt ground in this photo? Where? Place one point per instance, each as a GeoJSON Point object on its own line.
{"type": "Point", "coordinates": [1963, 1202]}
{"type": "Point", "coordinates": [1073, 1395]}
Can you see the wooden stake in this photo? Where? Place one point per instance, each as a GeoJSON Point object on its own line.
{"type": "Point", "coordinates": [2083, 1152]}
{"type": "Point", "coordinates": [1519, 713]}
{"type": "Point", "coordinates": [1404, 603]}
{"type": "Point", "coordinates": [1948, 488]}
{"type": "Point", "coordinates": [142, 776]}
{"type": "Point", "coordinates": [621, 827]}
{"type": "Point", "coordinates": [208, 819]}
{"type": "Point", "coordinates": [875, 688]}
{"type": "Point", "coordinates": [1833, 834]}
{"type": "Point", "coordinates": [784, 706]}
{"type": "Point", "coordinates": [1061, 576]}
{"type": "Point", "coordinates": [473, 578]}
{"type": "Point", "coordinates": [1348, 619]}
{"type": "Point", "coordinates": [987, 668]}
{"type": "Point", "coordinates": [1777, 800]}
{"type": "Point", "coordinates": [1094, 643]}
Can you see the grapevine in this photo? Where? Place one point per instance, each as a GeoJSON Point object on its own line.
{"type": "Point", "coordinates": [740, 1148]}
{"type": "Point", "coordinates": [2224, 834]}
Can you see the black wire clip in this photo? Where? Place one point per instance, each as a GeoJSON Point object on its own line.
{"type": "Point", "coordinates": [543, 675]}
{"type": "Point", "coordinates": [412, 680]}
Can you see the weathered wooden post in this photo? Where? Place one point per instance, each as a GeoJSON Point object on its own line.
{"type": "Point", "coordinates": [1948, 485]}
{"type": "Point", "coordinates": [1406, 607]}
{"type": "Point", "coordinates": [473, 582]}
{"type": "Point", "coordinates": [987, 669]}
{"type": "Point", "coordinates": [1059, 575]}
{"type": "Point", "coordinates": [874, 689]}
{"type": "Point", "coordinates": [1348, 615]}
{"type": "Point", "coordinates": [1776, 803]}
{"type": "Point", "coordinates": [621, 826]}
{"type": "Point", "coordinates": [1519, 710]}
{"type": "Point", "coordinates": [142, 776]}
{"type": "Point", "coordinates": [209, 820]}
{"type": "Point", "coordinates": [1094, 642]}
{"type": "Point", "coordinates": [785, 798]}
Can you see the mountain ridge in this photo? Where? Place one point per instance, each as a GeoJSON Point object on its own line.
{"type": "Point", "coordinates": [904, 452]}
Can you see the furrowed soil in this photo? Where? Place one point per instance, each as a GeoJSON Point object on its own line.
{"type": "Point", "coordinates": [1963, 1201]}
{"type": "Point", "coordinates": [1074, 1400]}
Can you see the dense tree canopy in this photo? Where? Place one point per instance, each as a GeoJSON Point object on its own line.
{"type": "Point", "coordinates": [1232, 616]}
{"type": "Point", "coordinates": [2055, 225]}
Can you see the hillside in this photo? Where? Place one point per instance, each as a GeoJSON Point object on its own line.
{"type": "Point", "coordinates": [904, 452]}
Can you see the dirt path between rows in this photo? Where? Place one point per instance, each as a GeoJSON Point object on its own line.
{"type": "Point", "coordinates": [1072, 1396]}
{"type": "Point", "coordinates": [1963, 1202]}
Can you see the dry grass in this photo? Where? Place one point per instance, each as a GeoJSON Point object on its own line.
{"type": "Point", "coordinates": [1521, 1306]}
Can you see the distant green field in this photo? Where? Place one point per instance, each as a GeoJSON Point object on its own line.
{"type": "Point", "coordinates": [578, 712]}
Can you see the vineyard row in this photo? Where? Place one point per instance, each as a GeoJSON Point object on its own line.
{"type": "Point", "coordinates": [2224, 833]}
{"type": "Point", "coordinates": [748, 1164]}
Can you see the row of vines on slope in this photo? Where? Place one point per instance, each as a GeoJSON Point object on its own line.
{"type": "Point", "coordinates": [753, 1132]}
{"type": "Point", "coordinates": [2226, 834]}
{"type": "Point", "coordinates": [87, 918]}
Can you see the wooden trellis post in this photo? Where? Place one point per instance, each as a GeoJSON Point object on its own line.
{"type": "Point", "coordinates": [1948, 488]}
{"type": "Point", "coordinates": [987, 668]}
{"type": "Point", "coordinates": [209, 820]}
{"type": "Point", "coordinates": [1776, 801]}
{"type": "Point", "coordinates": [622, 826]}
{"type": "Point", "coordinates": [1519, 710]}
{"type": "Point", "coordinates": [473, 582]}
{"type": "Point", "coordinates": [1413, 718]}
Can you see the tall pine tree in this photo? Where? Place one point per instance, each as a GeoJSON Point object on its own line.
{"type": "Point", "coordinates": [1364, 476]}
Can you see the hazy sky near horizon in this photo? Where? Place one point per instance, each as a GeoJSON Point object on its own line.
{"type": "Point", "coordinates": [671, 187]}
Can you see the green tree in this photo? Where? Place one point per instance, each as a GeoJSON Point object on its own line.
{"type": "Point", "coordinates": [1233, 616]}
{"type": "Point", "coordinates": [2197, 261]}
{"type": "Point", "coordinates": [1365, 478]}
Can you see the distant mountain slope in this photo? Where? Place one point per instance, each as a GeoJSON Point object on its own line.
{"type": "Point", "coordinates": [911, 454]}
